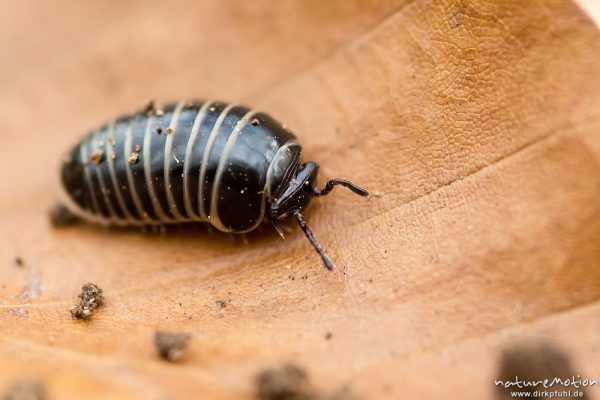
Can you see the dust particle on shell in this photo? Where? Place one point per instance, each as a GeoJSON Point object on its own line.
{"type": "Point", "coordinates": [171, 346]}
{"type": "Point", "coordinates": [59, 215]}
{"type": "Point", "coordinates": [287, 382]}
{"type": "Point", "coordinates": [255, 122]}
{"type": "Point", "coordinates": [133, 158]}
{"type": "Point", "coordinates": [137, 148]}
{"type": "Point", "coordinates": [25, 390]}
{"type": "Point", "coordinates": [97, 156]}
{"type": "Point", "coordinates": [90, 299]}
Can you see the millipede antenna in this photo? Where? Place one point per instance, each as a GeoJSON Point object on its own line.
{"type": "Point", "coordinates": [343, 182]}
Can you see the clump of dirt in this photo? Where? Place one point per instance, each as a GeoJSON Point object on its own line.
{"type": "Point", "coordinates": [255, 122]}
{"type": "Point", "coordinates": [26, 390]}
{"type": "Point", "coordinates": [59, 216]}
{"type": "Point", "coordinates": [171, 346]}
{"type": "Point", "coordinates": [291, 382]}
{"type": "Point", "coordinates": [287, 382]}
{"type": "Point", "coordinates": [90, 299]}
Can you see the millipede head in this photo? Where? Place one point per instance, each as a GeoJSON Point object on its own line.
{"type": "Point", "coordinates": [296, 196]}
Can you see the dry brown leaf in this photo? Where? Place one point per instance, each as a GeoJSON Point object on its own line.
{"type": "Point", "coordinates": [475, 125]}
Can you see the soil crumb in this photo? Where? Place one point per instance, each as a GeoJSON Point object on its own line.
{"type": "Point", "coordinates": [171, 345]}
{"type": "Point", "coordinates": [255, 122]}
{"type": "Point", "coordinates": [26, 390]}
{"type": "Point", "coordinates": [287, 382]}
{"type": "Point", "coordinates": [59, 216]}
{"type": "Point", "coordinates": [328, 336]}
{"type": "Point", "coordinates": [90, 298]}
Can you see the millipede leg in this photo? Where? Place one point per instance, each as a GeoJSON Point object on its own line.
{"type": "Point", "coordinates": [312, 240]}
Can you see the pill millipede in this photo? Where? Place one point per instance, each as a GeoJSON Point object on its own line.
{"type": "Point", "coordinates": [193, 161]}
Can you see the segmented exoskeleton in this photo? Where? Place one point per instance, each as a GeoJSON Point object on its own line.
{"type": "Point", "coordinates": [199, 161]}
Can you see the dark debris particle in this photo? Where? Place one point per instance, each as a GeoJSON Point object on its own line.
{"type": "Point", "coordinates": [18, 262]}
{"type": "Point", "coordinates": [60, 215]}
{"type": "Point", "coordinates": [149, 108]}
{"type": "Point", "coordinates": [90, 298]}
{"type": "Point", "coordinates": [328, 336]}
{"type": "Point", "coordinates": [532, 361]}
{"type": "Point", "coordinates": [159, 130]}
{"type": "Point", "coordinates": [255, 122]}
{"type": "Point", "coordinates": [26, 390]}
{"type": "Point", "coordinates": [171, 345]}
{"type": "Point", "coordinates": [287, 382]}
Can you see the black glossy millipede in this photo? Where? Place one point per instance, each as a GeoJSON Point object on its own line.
{"type": "Point", "coordinates": [194, 161]}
